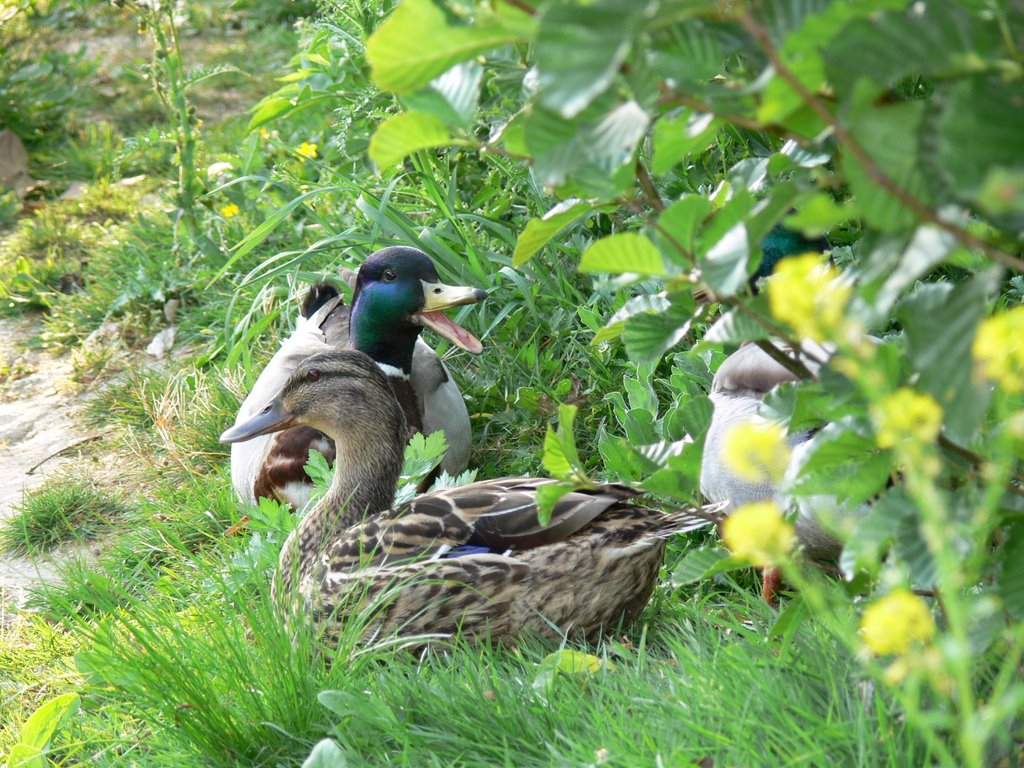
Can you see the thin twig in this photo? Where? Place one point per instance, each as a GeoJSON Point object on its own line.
{"type": "Point", "coordinates": [647, 184]}
{"type": "Point", "coordinates": [65, 449]}
{"type": "Point", "coordinates": [871, 168]}
{"type": "Point", "coordinates": [524, 7]}
{"type": "Point", "coordinates": [977, 460]}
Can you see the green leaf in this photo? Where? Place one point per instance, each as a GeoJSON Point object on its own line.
{"type": "Point", "coordinates": [25, 756]}
{"type": "Point", "coordinates": [568, 664]}
{"type": "Point", "coordinates": [979, 130]}
{"type": "Point", "coordinates": [326, 754]}
{"type": "Point", "coordinates": [737, 326]}
{"type": "Point", "coordinates": [594, 150]}
{"type": "Point", "coordinates": [401, 135]}
{"type": "Point", "coordinates": [844, 461]}
{"type": "Point", "coordinates": [819, 214]}
{"type": "Point", "coordinates": [724, 266]}
{"type": "Point", "coordinates": [677, 228]}
{"type": "Point", "coordinates": [539, 232]}
{"type": "Point", "coordinates": [44, 722]}
{"type": "Point", "coordinates": [547, 496]}
{"type": "Point", "coordinates": [578, 53]}
{"type": "Point", "coordinates": [452, 97]}
{"type": "Point", "coordinates": [699, 564]}
{"type": "Point", "coordinates": [417, 43]}
{"type": "Point", "coordinates": [1011, 579]}
{"type": "Point", "coordinates": [782, 105]}
{"type": "Point", "coordinates": [623, 459]}
{"type": "Point", "coordinates": [561, 459]}
{"type": "Point", "coordinates": [677, 137]}
{"type": "Point", "coordinates": [943, 38]}
{"type": "Point", "coordinates": [637, 305]}
{"type": "Point", "coordinates": [621, 253]}
{"type": "Point", "coordinates": [649, 335]}
{"type": "Point", "coordinates": [889, 135]}
{"type": "Point", "coordinates": [939, 320]}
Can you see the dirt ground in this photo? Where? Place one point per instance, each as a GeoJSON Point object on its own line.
{"type": "Point", "coordinates": [39, 434]}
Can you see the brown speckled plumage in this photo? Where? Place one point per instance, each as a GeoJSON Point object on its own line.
{"type": "Point", "coordinates": [592, 567]}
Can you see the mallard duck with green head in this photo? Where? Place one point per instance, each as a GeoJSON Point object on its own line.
{"type": "Point", "coordinates": [475, 557]}
{"type": "Point", "coordinates": [397, 293]}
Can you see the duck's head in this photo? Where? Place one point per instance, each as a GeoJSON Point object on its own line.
{"type": "Point", "coordinates": [397, 294]}
{"type": "Point", "coordinates": [343, 393]}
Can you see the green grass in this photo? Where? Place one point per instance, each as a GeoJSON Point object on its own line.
{"type": "Point", "coordinates": [205, 662]}
{"type": "Point", "coordinates": [62, 510]}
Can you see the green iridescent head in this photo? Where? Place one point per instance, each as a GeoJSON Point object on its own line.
{"type": "Point", "coordinates": [397, 294]}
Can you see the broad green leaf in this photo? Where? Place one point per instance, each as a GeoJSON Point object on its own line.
{"type": "Point", "coordinates": [782, 105]}
{"type": "Point", "coordinates": [940, 38]}
{"type": "Point", "coordinates": [698, 564]}
{"type": "Point", "coordinates": [561, 459]}
{"type": "Point", "coordinates": [26, 756]}
{"type": "Point", "coordinates": [268, 109]}
{"type": "Point", "coordinates": [681, 478]}
{"type": "Point", "coordinates": [568, 664]}
{"type": "Point", "coordinates": [578, 53]}
{"type": "Point", "coordinates": [1011, 579]}
{"type": "Point", "coordinates": [724, 267]}
{"type": "Point", "coordinates": [979, 130]}
{"type": "Point", "coordinates": [452, 97]}
{"type": "Point", "coordinates": [677, 228]}
{"type": "Point", "coordinates": [620, 457]}
{"type": "Point", "coordinates": [369, 709]}
{"type": "Point", "coordinates": [547, 496]}
{"type": "Point", "coordinates": [819, 214]}
{"type": "Point", "coordinates": [401, 135]}
{"type": "Point", "coordinates": [649, 335]}
{"type": "Point", "coordinates": [417, 43]}
{"type": "Point", "coordinates": [594, 150]}
{"type": "Point", "coordinates": [736, 326]}
{"type": "Point", "coordinates": [939, 320]}
{"type": "Point", "coordinates": [889, 135]}
{"type": "Point", "coordinates": [539, 232]}
{"type": "Point", "coordinates": [844, 462]}
{"type": "Point", "coordinates": [44, 722]}
{"type": "Point", "coordinates": [676, 137]}
{"type": "Point", "coordinates": [326, 754]}
{"type": "Point", "coordinates": [621, 253]}
{"type": "Point", "coordinates": [638, 304]}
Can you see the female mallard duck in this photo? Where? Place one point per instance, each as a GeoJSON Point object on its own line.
{"type": "Point", "coordinates": [397, 293]}
{"type": "Point", "coordinates": [737, 390]}
{"type": "Point", "coordinates": [473, 557]}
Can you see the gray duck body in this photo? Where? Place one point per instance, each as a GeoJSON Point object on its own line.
{"type": "Point", "coordinates": [737, 390]}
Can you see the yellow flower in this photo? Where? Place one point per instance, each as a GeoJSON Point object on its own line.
{"type": "Point", "coordinates": [230, 210]}
{"type": "Point", "coordinates": [999, 349]}
{"type": "Point", "coordinates": [264, 133]}
{"type": "Point", "coordinates": [757, 451]}
{"type": "Point", "coordinates": [758, 533]}
{"type": "Point", "coordinates": [807, 294]}
{"type": "Point", "coordinates": [906, 415]}
{"type": "Point", "coordinates": [895, 623]}
{"type": "Point", "coordinates": [306, 150]}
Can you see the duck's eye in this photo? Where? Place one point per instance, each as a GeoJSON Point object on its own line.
{"type": "Point", "coordinates": [389, 275]}
{"type": "Point", "coordinates": [313, 374]}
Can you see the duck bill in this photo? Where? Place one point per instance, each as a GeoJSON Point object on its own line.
{"type": "Point", "coordinates": [273, 418]}
{"type": "Point", "coordinates": [438, 297]}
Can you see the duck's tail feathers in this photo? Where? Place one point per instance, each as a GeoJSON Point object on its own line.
{"type": "Point", "coordinates": [683, 520]}
{"type": "Point", "coordinates": [319, 294]}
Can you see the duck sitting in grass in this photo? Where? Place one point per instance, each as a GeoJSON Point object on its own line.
{"type": "Point", "coordinates": [397, 293]}
{"type": "Point", "coordinates": [737, 390]}
{"type": "Point", "coordinates": [474, 557]}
